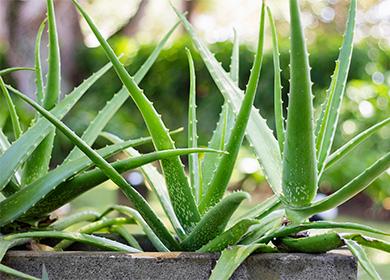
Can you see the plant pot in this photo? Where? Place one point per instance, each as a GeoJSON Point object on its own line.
{"type": "Point", "coordinates": [88, 265]}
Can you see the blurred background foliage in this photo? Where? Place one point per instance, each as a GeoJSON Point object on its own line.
{"type": "Point", "coordinates": [134, 32]}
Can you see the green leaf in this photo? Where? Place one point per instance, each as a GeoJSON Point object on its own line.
{"type": "Point", "coordinates": [125, 234]}
{"type": "Point", "coordinates": [213, 223]}
{"type": "Point", "coordinates": [354, 142]}
{"type": "Point", "coordinates": [13, 272]}
{"type": "Point", "coordinates": [230, 260]}
{"type": "Point", "coordinates": [157, 184]}
{"type": "Point", "coordinates": [20, 150]}
{"type": "Point", "coordinates": [369, 242]}
{"type": "Point", "coordinates": [105, 115]}
{"type": "Point", "coordinates": [12, 110]}
{"type": "Point", "coordinates": [222, 132]}
{"type": "Point", "coordinates": [92, 228]}
{"type": "Point", "coordinates": [329, 122]}
{"type": "Point", "coordinates": [130, 212]}
{"type": "Point", "coordinates": [278, 102]}
{"type": "Point", "coordinates": [315, 244]}
{"type": "Point", "coordinates": [292, 229]}
{"type": "Point", "coordinates": [96, 241]}
{"type": "Point", "coordinates": [139, 202]}
{"type": "Point", "coordinates": [220, 180]}
{"type": "Point", "coordinates": [228, 238]}
{"type": "Point", "coordinates": [262, 209]}
{"type": "Point", "coordinates": [348, 191]}
{"type": "Point", "coordinates": [258, 133]}
{"type": "Point", "coordinates": [193, 160]}
{"type": "Point", "coordinates": [361, 255]}
{"type": "Point", "coordinates": [180, 192]}
{"type": "Point", "coordinates": [299, 179]}
{"type": "Point", "coordinates": [38, 64]}
{"type": "Point", "coordinates": [45, 275]}
{"type": "Point", "coordinates": [68, 221]}
{"type": "Point", "coordinates": [14, 69]}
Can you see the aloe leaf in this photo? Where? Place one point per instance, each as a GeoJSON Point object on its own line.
{"type": "Point", "coordinates": [179, 189]}
{"type": "Point", "coordinates": [228, 238]}
{"type": "Point", "coordinates": [258, 133]}
{"type": "Point", "coordinates": [315, 244]}
{"type": "Point", "coordinates": [16, 273]}
{"type": "Point", "coordinates": [139, 202]}
{"type": "Point", "coordinates": [353, 143]}
{"type": "Point", "coordinates": [105, 115]}
{"type": "Point", "coordinates": [348, 191]}
{"type": "Point", "coordinates": [157, 184]}
{"type": "Point", "coordinates": [125, 234]}
{"type": "Point", "coordinates": [262, 209]}
{"type": "Point", "coordinates": [278, 102]}
{"type": "Point", "coordinates": [329, 122]}
{"type": "Point", "coordinates": [12, 110]}
{"type": "Point", "coordinates": [230, 260]}
{"type": "Point", "coordinates": [37, 164]}
{"type": "Point", "coordinates": [222, 132]}
{"type": "Point", "coordinates": [75, 218]}
{"type": "Point", "coordinates": [96, 241]}
{"type": "Point", "coordinates": [267, 224]}
{"type": "Point", "coordinates": [130, 212]}
{"type": "Point", "coordinates": [193, 160]}
{"type": "Point", "coordinates": [38, 64]}
{"type": "Point", "coordinates": [222, 175]}
{"type": "Point", "coordinates": [92, 228]}
{"type": "Point", "coordinates": [24, 200]}
{"type": "Point", "coordinates": [14, 69]}
{"type": "Point", "coordinates": [16, 155]}
{"type": "Point", "coordinates": [369, 242]}
{"type": "Point", "coordinates": [14, 184]}
{"type": "Point", "coordinates": [292, 229]}
{"type": "Point", "coordinates": [299, 179]}
{"type": "Point", "coordinates": [45, 275]}
{"type": "Point", "coordinates": [213, 222]}
{"type": "Point", "coordinates": [363, 260]}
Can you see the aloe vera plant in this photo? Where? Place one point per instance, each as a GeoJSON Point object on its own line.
{"type": "Point", "coordinates": [198, 206]}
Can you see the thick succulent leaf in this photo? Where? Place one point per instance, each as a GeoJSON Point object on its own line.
{"type": "Point", "coordinates": [230, 260]}
{"type": "Point", "coordinates": [258, 133]}
{"type": "Point", "coordinates": [315, 244]}
{"type": "Point", "coordinates": [68, 221]}
{"type": "Point", "coordinates": [92, 228]}
{"type": "Point", "coordinates": [179, 189]}
{"type": "Point", "coordinates": [193, 160]}
{"type": "Point", "coordinates": [14, 184]}
{"type": "Point", "coordinates": [38, 64]}
{"type": "Point", "coordinates": [299, 179]}
{"type": "Point", "coordinates": [292, 229]}
{"type": "Point", "coordinates": [24, 200]}
{"type": "Point", "coordinates": [267, 224]}
{"type": "Point", "coordinates": [213, 223]}
{"type": "Point", "coordinates": [220, 180]}
{"type": "Point", "coordinates": [96, 241]}
{"type": "Point", "coordinates": [14, 69]}
{"type": "Point", "coordinates": [139, 202]}
{"type": "Point", "coordinates": [20, 275]}
{"type": "Point", "coordinates": [369, 242]}
{"type": "Point", "coordinates": [228, 238]}
{"type": "Point", "coordinates": [346, 192]}
{"type": "Point", "coordinates": [262, 209]}
{"type": "Point", "coordinates": [20, 150]}
{"type": "Point", "coordinates": [222, 132]}
{"type": "Point", "coordinates": [329, 122]}
{"type": "Point", "coordinates": [125, 234]}
{"type": "Point", "coordinates": [157, 185]}
{"type": "Point", "coordinates": [278, 102]}
{"type": "Point", "coordinates": [37, 164]}
{"type": "Point", "coordinates": [363, 259]}
{"type": "Point", "coordinates": [45, 275]}
{"type": "Point", "coordinates": [105, 115]}
{"type": "Point", "coordinates": [354, 142]}
{"type": "Point", "coordinates": [130, 212]}
{"type": "Point", "coordinates": [12, 110]}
